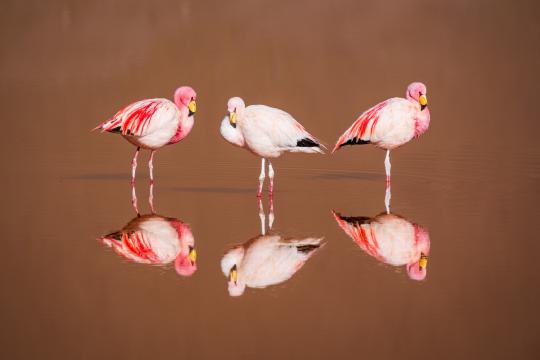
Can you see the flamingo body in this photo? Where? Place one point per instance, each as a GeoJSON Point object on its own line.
{"type": "Point", "coordinates": [390, 239]}
{"type": "Point", "coordinates": [266, 260]}
{"type": "Point", "coordinates": [153, 123]}
{"type": "Point", "coordinates": [391, 123]}
{"type": "Point", "coordinates": [155, 240]}
{"type": "Point", "coordinates": [266, 132]}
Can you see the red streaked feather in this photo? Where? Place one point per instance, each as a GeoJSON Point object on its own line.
{"type": "Point", "coordinates": [362, 129]}
{"type": "Point", "coordinates": [133, 119]}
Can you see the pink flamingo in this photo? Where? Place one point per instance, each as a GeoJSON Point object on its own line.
{"type": "Point", "coordinates": [156, 240]}
{"type": "Point", "coordinates": [267, 259]}
{"type": "Point", "coordinates": [266, 132]}
{"type": "Point", "coordinates": [153, 123]}
{"type": "Point", "coordinates": [390, 124]}
{"type": "Point", "coordinates": [391, 239]}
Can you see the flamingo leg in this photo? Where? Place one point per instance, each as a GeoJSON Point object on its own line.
{"type": "Point", "coordinates": [261, 178]}
{"type": "Point", "coordinates": [387, 197]}
{"type": "Point", "coordinates": [262, 217]}
{"type": "Point", "coordinates": [134, 165]}
{"type": "Point", "coordinates": [151, 167]}
{"type": "Point", "coordinates": [271, 214]}
{"type": "Point", "coordinates": [271, 176]}
{"type": "Point", "coordinates": [151, 197]}
{"type": "Point", "coordinates": [388, 167]}
{"type": "Point", "coordinates": [134, 198]}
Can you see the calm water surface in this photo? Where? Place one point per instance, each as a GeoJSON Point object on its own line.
{"type": "Point", "coordinates": [471, 182]}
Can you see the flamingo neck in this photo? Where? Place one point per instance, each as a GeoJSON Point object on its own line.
{"type": "Point", "coordinates": [184, 126]}
{"type": "Point", "coordinates": [422, 122]}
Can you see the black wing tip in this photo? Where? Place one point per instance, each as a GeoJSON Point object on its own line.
{"type": "Point", "coordinates": [307, 142]}
{"type": "Point", "coordinates": [306, 249]}
{"type": "Point", "coordinates": [358, 220]}
{"type": "Point", "coordinates": [355, 141]}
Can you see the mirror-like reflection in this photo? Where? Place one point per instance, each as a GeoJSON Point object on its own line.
{"type": "Point", "coordinates": [156, 240]}
{"type": "Point", "coordinates": [390, 238]}
{"type": "Point", "coordinates": [267, 259]}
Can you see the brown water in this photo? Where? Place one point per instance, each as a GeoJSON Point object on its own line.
{"type": "Point", "coordinates": [472, 180]}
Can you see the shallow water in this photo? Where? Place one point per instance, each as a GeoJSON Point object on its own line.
{"type": "Point", "coordinates": [471, 180]}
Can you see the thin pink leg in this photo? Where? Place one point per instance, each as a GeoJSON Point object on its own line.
{"type": "Point", "coordinates": [387, 167]}
{"type": "Point", "coordinates": [262, 217]}
{"type": "Point", "coordinates": [151, 198]}
{"type": "Point", "coordinates": [134, 165]}
{"type": "Point", "coordinates": [134, 198]}
{"type": "Point", "coordinates": [261, 178]}
{"type": "Point", "coordinates": [151, 166]}
{"type": "Point", "coordinates": [271, 176]}
{"type": "Point", "coordinates": [387, 197]}
{"type": "Point", "coordinates": [271, 214]}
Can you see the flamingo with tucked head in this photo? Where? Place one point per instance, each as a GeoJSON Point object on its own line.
{"type": "Point", "coordinates": [391, 123]}
{"type": "Point", "coordinates": [156, 240]}
{"type": "Point", "coordinates": [153, 123]}
{"type": "Point", "coordinates": [391, 239]}
{"type": "Point", "coordinates": [266, 132]}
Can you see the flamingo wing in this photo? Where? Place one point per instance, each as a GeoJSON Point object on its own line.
{"type": "Point", "coordinates": [360, 230]}
{"type": "Point", "coordinates": [363, 128]}
{"type": "Point", "coordinates": [136, 118]}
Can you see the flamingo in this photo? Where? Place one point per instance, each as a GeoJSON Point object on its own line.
{"type": "Point", "coordinates": [157, 240]}
{"type": "Point", "coordinates": [267, 259]}
{"type": "Point", "coordinates": [153, 123]}
{"type": "Point", "coordinates": [266, 132]}
{"type": "Point", "coordinates": [391, 123]}
{"type": "Point", "coordinates": [391, 239]}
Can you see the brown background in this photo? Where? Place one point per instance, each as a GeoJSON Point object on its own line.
{"type": "Point", "coordinates": [472, 179]}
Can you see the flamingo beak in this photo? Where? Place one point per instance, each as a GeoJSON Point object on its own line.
{"type": "Point", "coordinates": [192, 255]}
{"type": "Point", "coordinates": [192, 106]}
{"type": "Point", "coordinates": [233, 274]}
{"type": "Point", "coordinates": [423, 261]}
{"type": "Point", "coordinates": [232, 119]}
{"type": "Point", "coordinates": [423, 101]}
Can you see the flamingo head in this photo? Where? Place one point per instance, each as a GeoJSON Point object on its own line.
{"type": "Point", "coordinates": [417, 92]}
{"type": "Point", "coordinates": [235, 106]}
{"type": "Point", "coordinates": [229, 267]}
{"type": "Point", "coordinates": [418, 269]}
{"type": "Point", "coordinates": [185, 96]}
{"type": "Point", "coordinates": [186, 265]}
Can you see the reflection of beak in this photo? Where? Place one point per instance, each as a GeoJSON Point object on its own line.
{"type": "Point", "coordinates": [192, 256]}
{"type": "Point", "coordinates": [423, 101]}
{"type": "Point", "coordinates": [233, 274]}
{"type": "Point", "coordinates": [232, 119]}
{"type": "Point", "coordinates": [192, 106]}
{"type": "Point", "coordinates": [423, 261]}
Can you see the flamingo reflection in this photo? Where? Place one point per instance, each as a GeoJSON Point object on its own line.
{"type": "Point", "coordinates": [390, 239]}
{"type": "Point", "coordinates": [156, 240]}
{"type": "Point", "coordinates": [267, 259]}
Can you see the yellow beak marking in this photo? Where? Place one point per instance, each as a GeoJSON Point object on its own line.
{"type": "Point", "coordinates": [422, 100]}
{"type": "Point", "coordinates": [423, 261]}
{"type": "Point", "coordinates": [192, 106]}
{"type": "Point", "coordinates": [193, 256]}
{"type": "Point", "coordinates": [233, 276]}
{"type": "Point", "coordinates": [232, 118]}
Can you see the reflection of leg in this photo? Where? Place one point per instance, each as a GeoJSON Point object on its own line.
{"type": "Point", "coordinates": [151, 166]}
{"type": "Point", "coordinates": [387, 197]}
{"type": "Point", "coordinates": [261, 216]}
{"type": "Point", "coordinates": [134, 198]}
{"type": "Point", "coordinates": [387, 166]}
{"type": "Point", "coordinates": [271, 176]}
{"type": "Point", "coordinates": [261, 178]}
{"type": "Point", "coordinates": [151, 198]}
{"type": "Point", "coordinates": [271, 214]}
{"type": "Point", "coordinates": [134, 165]}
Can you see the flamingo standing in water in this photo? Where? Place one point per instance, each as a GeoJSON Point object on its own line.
{"type": "Point", "coordinates": [266, 132]}
{"type": "Point", "coordinates": [391, 239]}
{"type": "Point", "coordinates": [153, 123]}
{"type": "Point", "coordinates": [156, 240]}
{"type": "Point", "coordinates": [390, 124]}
